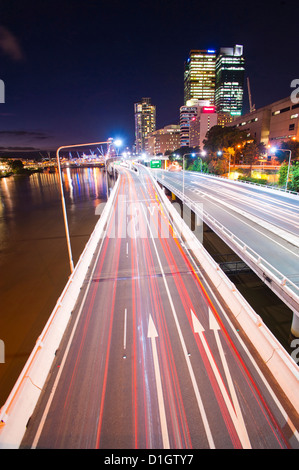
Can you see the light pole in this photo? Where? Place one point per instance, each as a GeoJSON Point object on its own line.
{"type": "Point", "coordinates": [193, 155]}
{"type": "Point", "coordinates": [203, 154]}
{"type": "Point", "coordinates": [274, 149]}
{"type": "Point", "coordinates": [63, 199]}
{"type": "Point", "coordinates": [118, 143]}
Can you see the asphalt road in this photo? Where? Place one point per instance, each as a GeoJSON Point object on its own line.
{"type": "Point", "coordinates": [151, 359]}
{"type": "Point", "coordinates": [246, 211]}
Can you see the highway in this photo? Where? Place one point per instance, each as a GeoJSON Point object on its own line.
{"type": "Point", "coordinates": [273, 206]}
{"type": "Point", "coordinates": [151, 357]}
{"type": "Point", "coordinates": [263, 221]}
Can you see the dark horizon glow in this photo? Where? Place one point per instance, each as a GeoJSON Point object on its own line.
{"type": "Point", "coordinates": [73, 70]}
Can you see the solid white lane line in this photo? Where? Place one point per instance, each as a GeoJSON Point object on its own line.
{"type": "Point", "coordinates": [152, 334]}
{"type": "Point", "coordinates": [185, 351]}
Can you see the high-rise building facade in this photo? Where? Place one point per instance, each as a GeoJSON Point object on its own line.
{"type": "Point", "coordinates": [164, 140]}
{"type": "Point", "coordinates": [199, 76]}
{"type": "Point", "coordinates": [196, 119]}
{"type": "Point", "coordinates": [201, 124]}
{"type": "Point", "coordinates": [145, 123]}
{"type": "Point", "coordinates": [229, 83]}
{"type": "Point", "coordinates": [187, 113]}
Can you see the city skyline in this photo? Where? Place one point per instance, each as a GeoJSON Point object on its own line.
{"type": "Point", "coordinates": [72, 73]}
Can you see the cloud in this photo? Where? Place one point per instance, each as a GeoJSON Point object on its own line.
{"type": "Point", "coordinates": [31, 134]}
{"type": "Point", "coordinates": [19, 149]}
{"type": "Point", "coordinates": [9, 45]}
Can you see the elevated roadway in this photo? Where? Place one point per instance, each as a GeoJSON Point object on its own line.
{"type": "Point", "coordinates": [261, 225]}
{"type": "Point", "coordinates": [153, 356]}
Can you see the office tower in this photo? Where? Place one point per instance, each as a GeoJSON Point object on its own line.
{"type": "Point", "coordinates": [164, 140]}
{"type": "Point", "coordinates": [145, 123]}
{"type": "Point", "coordinates": [196, 118]}
{"type": "Point", "coordinates": [201, 124]}
{"type": "Point", "coordinates": [199, 76]}
{"type": "Point", "coordinates": [186, 114]}
{"type": "Point", "coordinates": [229, 83]}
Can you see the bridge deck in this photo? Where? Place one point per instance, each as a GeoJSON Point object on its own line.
{"type": "Point", "coordinates": [151, 357]}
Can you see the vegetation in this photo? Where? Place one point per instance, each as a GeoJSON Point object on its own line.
{"type": "Point", "coordinates": [293, 181]}
{"type": "Point", "coordinates": [225, 147]}
{"type": "Point", "coordinates": [14, 167]}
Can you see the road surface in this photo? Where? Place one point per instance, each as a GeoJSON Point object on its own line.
{"type": "Point", "coordinates": [151, 359]}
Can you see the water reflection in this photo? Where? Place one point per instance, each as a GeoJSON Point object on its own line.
{"type": "Point", "coordinates": [34, 265]}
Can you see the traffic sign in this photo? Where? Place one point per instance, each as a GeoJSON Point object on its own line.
{"type": "Point", "coordinates": [155, 163]}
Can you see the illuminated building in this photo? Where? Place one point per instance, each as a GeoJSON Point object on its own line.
{"type": "Point", "coordinates": [229, 83]}
{"type": "Point", "coordinates": [199, 126]}
{"type": "Point", "coordinates": [196, 118]}
{"type": "Point", "coordinates": [163, 140]}
{"type": "Point", "coordinates": [145, 123]}
{"type": "Point", "coordinates": [199, 76]}
{"type": "Point", "coordinates": [272, 124]}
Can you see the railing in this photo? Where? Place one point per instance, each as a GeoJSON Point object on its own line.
{"type": "Point", "coordinates": [268, 186]}
{"type": "Point", "coordinates": [270, 273]}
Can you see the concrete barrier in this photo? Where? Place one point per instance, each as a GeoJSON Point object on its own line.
{"type": "Point", "coordinates": [280, 364]}
{"type": "Point", "coordinates": [23, 398]}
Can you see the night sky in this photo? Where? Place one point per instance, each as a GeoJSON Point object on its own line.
{"type": "Point", "coordinates": [74, 68]}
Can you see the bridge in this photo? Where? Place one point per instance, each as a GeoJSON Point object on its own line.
{"type": "Point", "coordinates": [151, 346]}
{"type": "Point", "coordinates": [259, 224]}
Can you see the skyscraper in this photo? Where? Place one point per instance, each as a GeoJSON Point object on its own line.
{"type": "Point", "coordinates": [229, 83]}
{"type": "Point", "coordinates": [196, 118]}
{"type": "Point", "coordinates": [199, 76]}
{"type": "Point", "coordinates": [145, 123]}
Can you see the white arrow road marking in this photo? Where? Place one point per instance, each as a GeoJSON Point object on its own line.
{"type": "Point", "coordinates": [235, 416]}
{"type": "Point", "coordinates": [152, 334]}
{"type": "Point", "coordinates": [214, 325]}
{"type": "Point", "coordinates": [184, 347]}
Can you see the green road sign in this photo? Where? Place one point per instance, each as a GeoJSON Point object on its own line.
{"type": "Point", "coordinates": [155, 163]}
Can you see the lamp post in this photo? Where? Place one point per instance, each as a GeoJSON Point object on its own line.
{"type": "Point", "coordinates": [193, 155]}
{"type": "Point", "coordinates": [273, 149]}
{"type": "Point", "coordinates": [203, 154]}
{"type": "Point", "coordinates": [118, 143]}
{"type": "Point", "coordinates": [63, 199]}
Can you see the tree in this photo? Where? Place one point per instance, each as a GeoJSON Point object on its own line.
{"type": "Point", "coordinates": [218, 166]}
{"type": "Point", "coordinates": [219, 138]}
{"type": "Point", "coordinates": [292, 145]}
{"type": "Point", "coordinates": [282, 174]}
{"type": "Point", "coordinates": [199, 165]}
{"type": "Point", "coordinates": [250, 154]}
{"type": "Point", "coordinates": [293, 183]}
{"type": "Point", "coordinates": [294, 186]}
{"type": "Point", "coordinates": [15, 165]}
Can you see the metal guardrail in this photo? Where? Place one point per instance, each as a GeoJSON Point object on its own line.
{"type": "Point", "coordinates": [269, 186]}
{"type": "Point", "coordinates": [271, 274]}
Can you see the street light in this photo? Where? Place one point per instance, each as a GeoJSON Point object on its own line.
{"type": "Point", "coordinates": [118, 143]}
{"type": "Point", "coordinates": [274, 149]}
{"type": "Point", "coordinates": [203, 154]}
{"type": "Point", "coordinates": [63, 199]}
{"type": "Point", "coordinates": [193, 155]}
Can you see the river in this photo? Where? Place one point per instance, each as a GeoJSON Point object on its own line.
{"type": "Point", "coordinates": [34, 263]}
